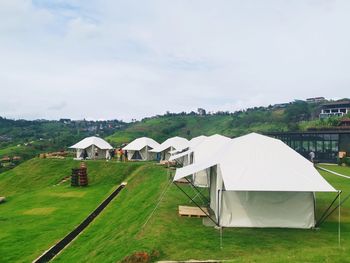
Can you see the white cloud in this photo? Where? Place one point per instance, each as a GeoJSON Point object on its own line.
{"type": "Point", "coordinates": [127, 59]}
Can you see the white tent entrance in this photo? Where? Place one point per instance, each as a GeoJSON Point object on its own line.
{"type": "Point", "coordinates": [140, 149]}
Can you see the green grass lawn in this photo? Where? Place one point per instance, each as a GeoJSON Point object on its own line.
{"type": "Point", "coordinates": [118, 231]}
{"type": "Point", "coordinates": [37, 213]}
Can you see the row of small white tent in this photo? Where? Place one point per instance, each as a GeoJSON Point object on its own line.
{"type": "Point", "coordinates": [147, 149]}
{"type": "Point", "coordinates": [141, 149]}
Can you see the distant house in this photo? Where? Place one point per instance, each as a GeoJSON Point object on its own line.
{"type": "Point", "coordinates": [65, 121]}
{"type": "Point", "coordinates": [335, 108]}
{"type": "Point", "coordinates": [280, 105]}
{"type": "Point", "coordinates": [316, 100]}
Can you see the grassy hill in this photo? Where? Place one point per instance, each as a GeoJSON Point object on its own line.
{"type": "Point", "coordinates": [189, 126]}
{"type": "Point", "coordinates": [38, 212]}
{"type": "Point", "coordinates": [120, 230]}
{"type": "Point", "coordinates": [296, 116]}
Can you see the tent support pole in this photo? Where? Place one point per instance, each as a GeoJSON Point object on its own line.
{"type": "Point", "coordinates": [206, 199]}
{"type": "Point", "coordinates": [325, 212]}
{"type": "Point", "coordinates": [196, 204]}
{"type": "Point", "coordinates": [340, 203]}
{"type": "Point", "coordinates": [220, 237]}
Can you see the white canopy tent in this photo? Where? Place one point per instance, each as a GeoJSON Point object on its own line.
{"type": "Point", "coordinates": [171, 144]}
{"type": "Point", "coordinates": [139, 149]}
{"type": "Point", "coordinates": [205, 148]}
{"type": "Point", "coordinates": [258, 181]}
{"type": "Point", "coordinates": [92, 148]}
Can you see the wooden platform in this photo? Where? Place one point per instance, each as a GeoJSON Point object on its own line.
{"type": "Point", "coordinates": [191, 211]}
{"type": "Point", "coordinates": [182, 181]}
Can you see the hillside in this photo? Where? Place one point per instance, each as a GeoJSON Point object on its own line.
{"type": "Point", "coordinates": [296, 116]}
{"type": "Point", "coordinates": [26, 139]}
{"type": "Point", "coordinates": [38, 212]}
{"type": "Point", "coordinates": [35, 217]}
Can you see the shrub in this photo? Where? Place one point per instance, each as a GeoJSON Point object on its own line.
{"type": "Point", "coordinates": [347, 161]}
{"type": "Point", "coordinates": [141, 257]}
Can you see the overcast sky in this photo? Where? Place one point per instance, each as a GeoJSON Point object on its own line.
{"type": "Point", "coordinates": [131, 59]}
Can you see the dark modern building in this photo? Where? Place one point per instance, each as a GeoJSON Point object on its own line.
{"type": "Point", "coordinates": [335, 108]}
{"type": "Point", "coordinates": [325, 144]}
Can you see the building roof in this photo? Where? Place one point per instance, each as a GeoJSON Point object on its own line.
{"type": "Point", "coordinates": [140, 143]}
{"type": "Point", "coordinates": [256, 162]}
{"type": "Point", "coordinates": [87, 142]}
{"type": "Point", "coordinates": [336, 103]}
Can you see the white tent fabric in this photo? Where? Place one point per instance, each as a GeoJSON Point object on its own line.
{"type": "Point", "coordinates": [203, 146]}
{"type": "Point", "coordinates": [140, 143]}
{"type": "Point", "coordinates": [176, 143]}
{"type": "Point", "coordinates": [139, 149]}
{"type": "Point", "coordinates": [94, 147]}
{"type": "Point", "coordinates": [203, 150]}
{"type": "Point", "coordinates": [87, 142]}
{"type": "Point", "coordinates": [257, 181]}
{"type": "Point", "coordinates": [259, 163]}
{"type": "Point", "coordinates": [191, 144]}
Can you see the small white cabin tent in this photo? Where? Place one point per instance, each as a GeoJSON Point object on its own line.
{"type": "Point", "coordinates": [171, 144]}
{"type": "Point", "coordinates": [258, 181]}
{"type": "Point", "coordinates": [182, 156]}
{"type": "Point", "coordinates": [92, 148]}
{"type": "Point", "coordinates": [207, 147]}
{"type": "Point", "coordinates": [139, 149]}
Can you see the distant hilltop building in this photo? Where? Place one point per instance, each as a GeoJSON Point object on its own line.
{"type": "Point", "coordinates": [335, 108]}
{"type": "Point", "coordinates": [316, 100]}
{"type": "Point", "coordinates": [280, 105]}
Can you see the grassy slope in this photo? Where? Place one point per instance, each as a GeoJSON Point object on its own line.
{"type": "Point", "coordinates": [167, 126]}
{"type": "Point", "coordinates": [117, 232]}
{"type": "Point", "coordinates": [37, 213]}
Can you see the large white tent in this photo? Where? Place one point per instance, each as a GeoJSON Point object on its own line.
{"type": "Point", "coordinates": [171, 144]}
{"type": "Point", "coordinates": [92, 148]}
{"type": "Point", "coordinates": [258, 181]}
{"type": "Point", "coordinates": [139, 149]}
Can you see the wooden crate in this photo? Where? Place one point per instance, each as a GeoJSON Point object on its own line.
{"type": "Point", "coordinates": [191, 211]}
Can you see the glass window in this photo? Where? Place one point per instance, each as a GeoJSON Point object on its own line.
{"type": "Point", "coordinates": [312, 146]}
{"type": "Point", "coordinates": [319, 146]}
{"type": "Point", "coordinates": [306, 146]}
{"type": "Point", "coordinates": [334, 146]}
{"type": "Point", "coordinates": [327, 146]}
{"type": "Point", "coordinates": [327, 137]}
{"type": "Point", "coordinates": [335, 137]}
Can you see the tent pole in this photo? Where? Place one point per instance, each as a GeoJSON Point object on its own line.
{"type": "Point", "coordinates": [331, 212]}
{"type": "Point", "coordinates": [197, 189]}
{"type": "Point", "coordinates": [196, 204]}
{"type": "Point", "coordinates": [220, 237]}
{"type": "Point", "coordinates": [339, 203]}
{"type": "Point", "coordinates": [325, 212]}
